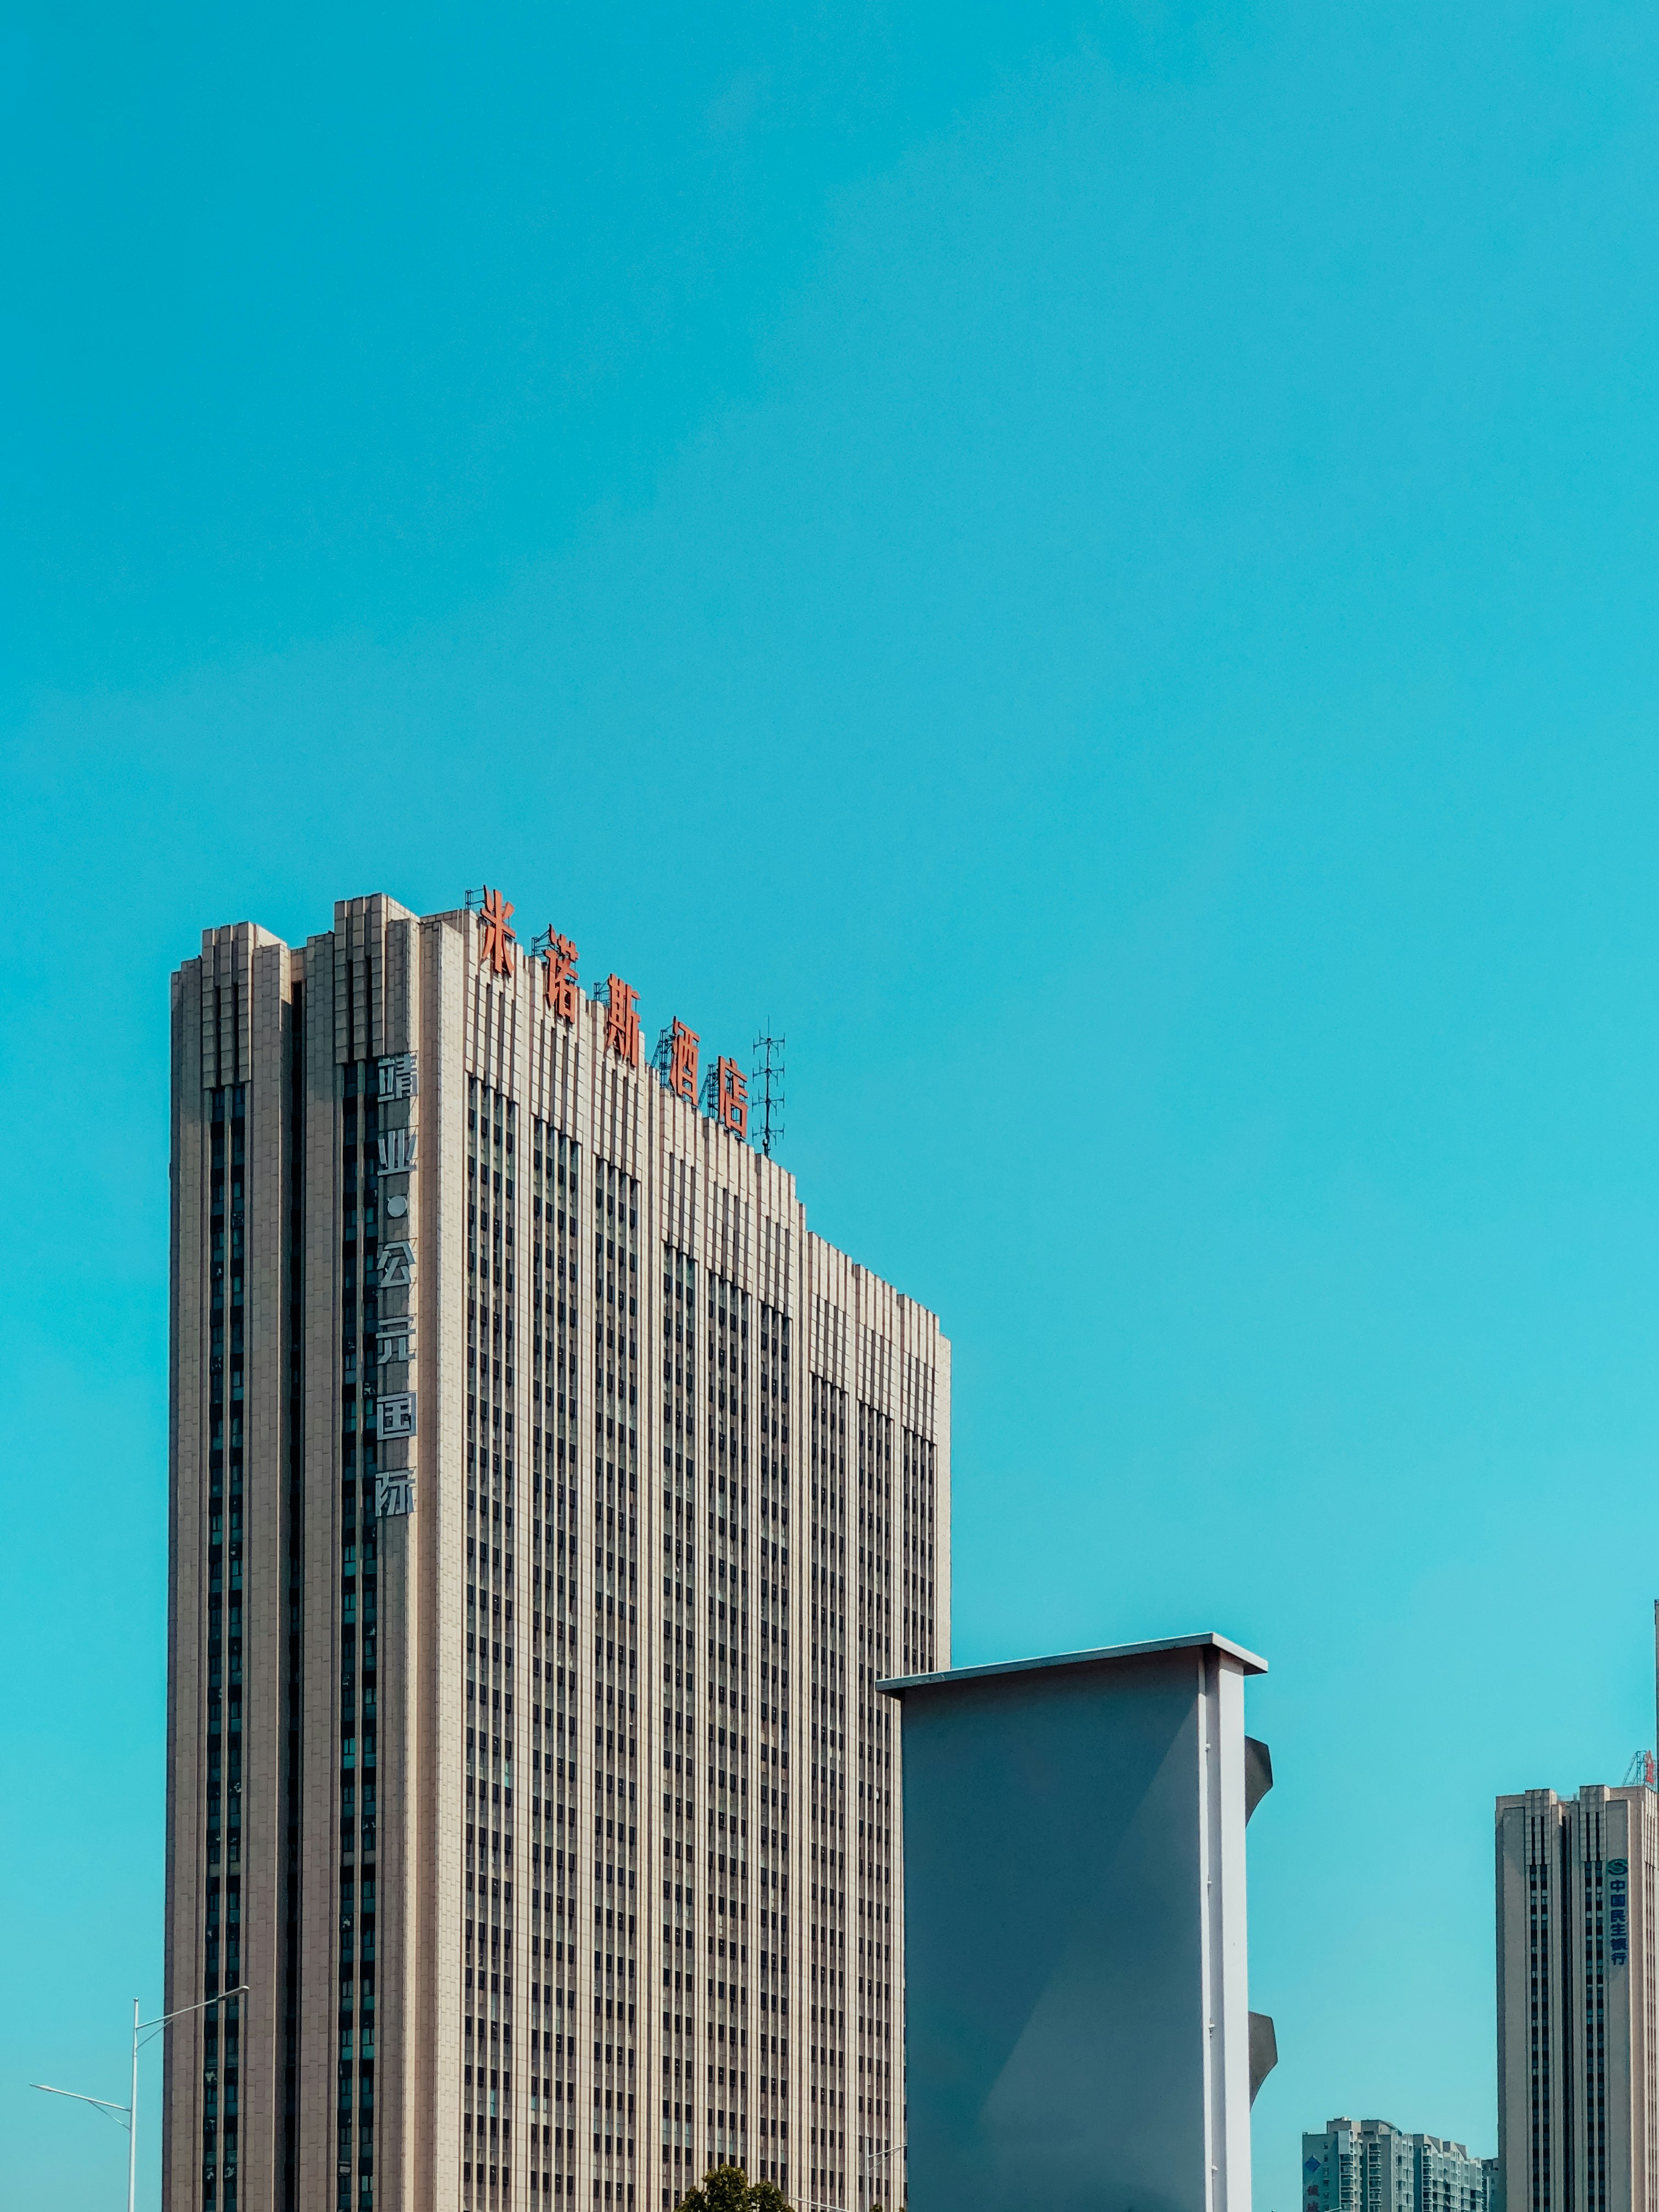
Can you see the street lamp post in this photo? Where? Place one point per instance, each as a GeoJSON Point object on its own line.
{"type": "Point", "coordinates": [880, 2157]}
{"type": "Point", "coordinates": [126, 2116]}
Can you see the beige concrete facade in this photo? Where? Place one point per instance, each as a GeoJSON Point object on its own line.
{"type": "Point", "coordinates": [1578, 1984]}
{"type": "Point", "coordinates": [546, 1501]}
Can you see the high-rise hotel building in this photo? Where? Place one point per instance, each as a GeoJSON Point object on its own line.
{"type": "Point", "coordinates": [1578, 2035]}
{"type": "Point", "coordinates": [546, 1502]}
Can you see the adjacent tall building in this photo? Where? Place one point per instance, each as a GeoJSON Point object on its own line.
{"type": "Point", "coordinates": [1577, 2042]}
{"type": "Point", "coordinates": [1369, 2165]}
{"type": "Point", "coordinates": [546, 1503]}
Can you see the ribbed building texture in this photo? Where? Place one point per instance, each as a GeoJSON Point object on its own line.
{"type": "Point", "coordinates": [1577, 2052]}
{"type": "Point", "coordinates": [546, 1501]}
{"type": "Point", "coordinates": [1371, 2165]}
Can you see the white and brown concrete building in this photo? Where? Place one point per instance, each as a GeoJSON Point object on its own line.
{"type": "Point", "coordinates": [1578, 2036]}
{"type": "Point", "coordinates": [546, 1502]}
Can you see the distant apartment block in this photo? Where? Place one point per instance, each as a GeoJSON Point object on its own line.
{"type": "Point", "coordinates": [1578, 2082]}
{"type": "Point", "coordinates": [1447, 2179]}
{"type": "Point", "coordinates": [1369, 2165]}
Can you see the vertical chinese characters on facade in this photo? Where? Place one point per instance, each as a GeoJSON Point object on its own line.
{"type": "Point", "coordinates": [396, 1076]}
{"type": "Point", "coordinates": [395, 1327]}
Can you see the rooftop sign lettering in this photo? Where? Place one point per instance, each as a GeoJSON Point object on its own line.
{"type": "Point", "coordinates": [497, 940]}
{"type": "Point", "coordinates": [725, 1092]}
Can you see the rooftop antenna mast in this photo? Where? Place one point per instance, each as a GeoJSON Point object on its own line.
{"type": "Point", "coordinates": [1644, 1767]}
{"type": "Point", "coordinates": [766, 1096]}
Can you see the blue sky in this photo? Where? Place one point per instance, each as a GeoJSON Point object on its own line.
{"type": "Point", "coordinates": [1096, 564]}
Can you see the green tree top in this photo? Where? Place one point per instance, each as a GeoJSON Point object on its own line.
{"type": "Point", "coordinates": [728, 2189]}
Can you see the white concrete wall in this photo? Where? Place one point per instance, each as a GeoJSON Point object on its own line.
{"type": "Point", "coordinates": [1076, 2006]}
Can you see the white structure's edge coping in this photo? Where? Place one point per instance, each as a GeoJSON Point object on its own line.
{"type": "Point", "coordinates": [1206, 1639]}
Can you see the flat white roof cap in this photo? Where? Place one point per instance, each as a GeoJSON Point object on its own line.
{"type": "Point", "coordinates": [897, 1686]}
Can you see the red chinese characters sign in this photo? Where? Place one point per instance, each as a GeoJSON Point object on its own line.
{"type": "Point", "coordinates": [621, 1022]}
{"type": "Point", "coordinates": [559, 984]}
{"type": "Point", "coordinates": [495, 939]}
{"type": "Point", "coordinates": [730, 1090]}
{"type": "Point", "coordinates": [726, 1095]}
{"type": "Point", "coordinates": [683, 1062]}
